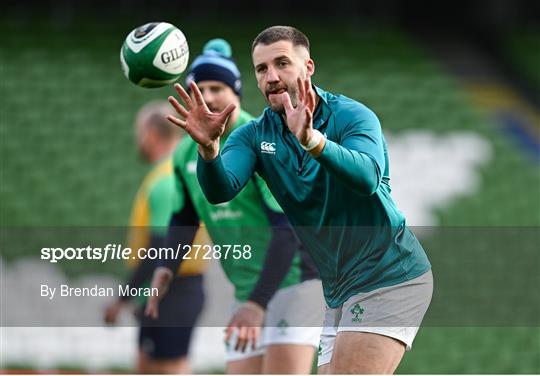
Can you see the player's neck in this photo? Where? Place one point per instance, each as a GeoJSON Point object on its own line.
{"type": "Point", "coordinates": [163, 152]}
{"type": "Point", "coordinates": [317, 100]}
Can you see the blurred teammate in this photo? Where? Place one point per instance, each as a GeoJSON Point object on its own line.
{"type": "Point", "coordinates": [324, 158]}
{"type": "Point", "coordinates": [273, 283]}
{"type": "Point", "coordinates": [162, 349]}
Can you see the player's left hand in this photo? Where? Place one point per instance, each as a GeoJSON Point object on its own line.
{"type": "Point", "coordinates": [161, 279]}
{"type": "Point", "coordinates": [204, 126]}
{"type": "Point", "coordinates": [300, 118]}
{"type": "Point", "coordinates": [247, 322]}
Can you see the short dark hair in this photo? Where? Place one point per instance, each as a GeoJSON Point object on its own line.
{"type": "Point", "coordinates": [276, 33]}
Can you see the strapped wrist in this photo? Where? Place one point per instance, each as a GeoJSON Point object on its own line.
{"type": "Point", "coordinates": [314, 142]}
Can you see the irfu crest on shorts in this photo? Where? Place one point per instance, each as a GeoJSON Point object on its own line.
{"type": "Point", "coordinates": [282, 325]}
{"type": "Point", "coordinates": [357, 310]}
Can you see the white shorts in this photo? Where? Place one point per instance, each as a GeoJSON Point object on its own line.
{"type": "Point", "coordinates": [293, 316]}
{"type": "Point", "coordinates": [394, 311]}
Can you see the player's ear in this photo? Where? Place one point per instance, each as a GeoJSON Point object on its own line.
{"type": "Point", "coordinates": [310, 67]}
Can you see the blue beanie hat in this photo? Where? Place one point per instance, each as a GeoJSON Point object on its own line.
{"type": "Point", "coordinates": [216, 64]}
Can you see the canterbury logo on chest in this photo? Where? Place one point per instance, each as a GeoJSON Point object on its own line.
{"type": "Point", "coordinates": [268, 147]}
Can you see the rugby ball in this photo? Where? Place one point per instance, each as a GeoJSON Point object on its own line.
{"type": "Point", "coordinates": [154, 54]}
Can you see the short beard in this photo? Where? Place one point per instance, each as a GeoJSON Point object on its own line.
{"type": "Point", "coordinates": [280, 108]}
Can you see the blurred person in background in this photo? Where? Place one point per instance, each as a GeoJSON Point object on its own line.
{"type": "Point", "coordinates": [328, 168]}
{"type": "Point", "coordinates": [277, 285]}
{"type": "Point", "coordinates": [163, 343]}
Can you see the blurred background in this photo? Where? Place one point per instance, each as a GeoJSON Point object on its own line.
{"type": "Point", "coordinates": [456, 85]}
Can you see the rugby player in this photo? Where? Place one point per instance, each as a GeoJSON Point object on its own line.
{"type": "Point", "coordinates": [162, 349]}
{"type": "Point", "coordinates": [329, 171]}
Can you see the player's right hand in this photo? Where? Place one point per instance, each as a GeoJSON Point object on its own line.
{"type": "Point", "coordinates": [204, 126]}
{"type": "Point", "coordinates": [161, 279]}
{"type": "Point", "coordinates": [245, 326]}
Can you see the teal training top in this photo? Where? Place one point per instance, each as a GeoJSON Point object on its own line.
{"type": "Point", "coordinates": [339, 203]}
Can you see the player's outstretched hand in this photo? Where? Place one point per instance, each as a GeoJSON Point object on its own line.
{"type": "Point", "coordinates": [300, 118]}
{"type": "Point", "coordinates": [204, 126]}
{"type": "Point", "coordinates": [245, 326]}
{"type": "Point", "coordinates": [161, 279]}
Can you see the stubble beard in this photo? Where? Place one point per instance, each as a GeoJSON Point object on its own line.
{"type": "Point", "coordinates": [279, 108]}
